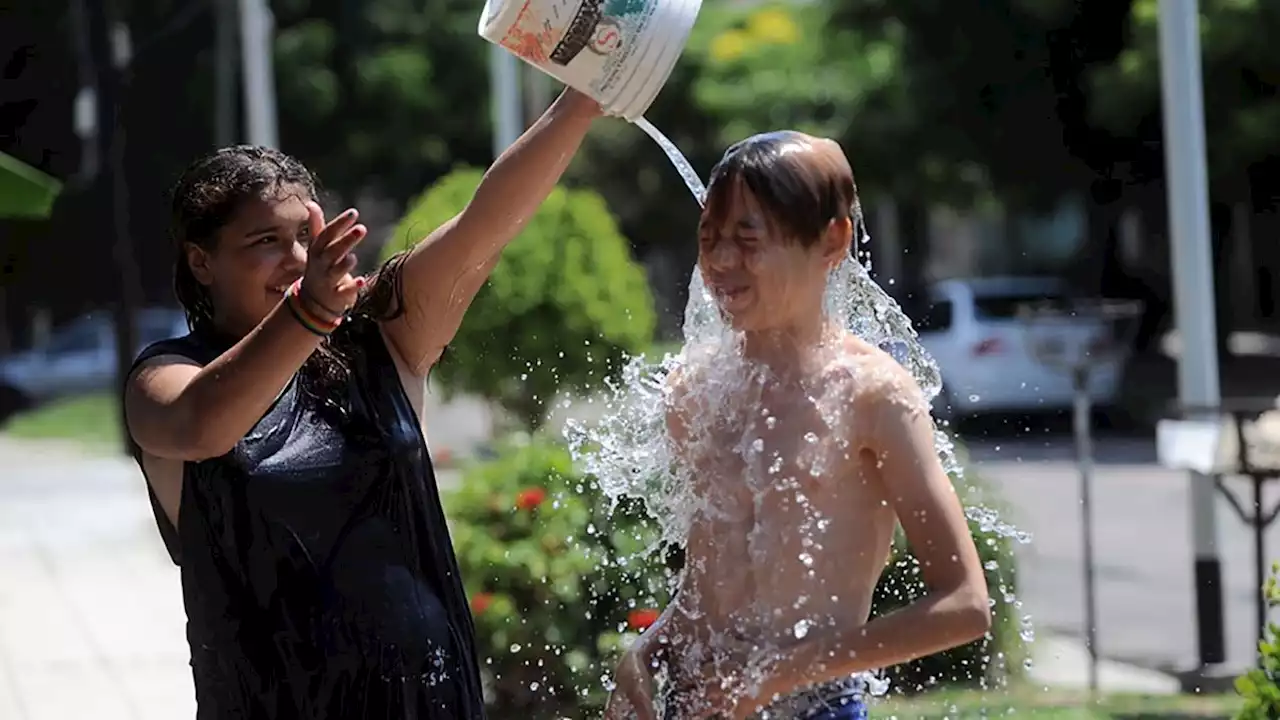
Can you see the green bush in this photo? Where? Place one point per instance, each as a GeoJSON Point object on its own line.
{"type": "Point", "coordinates": [1260, 687]}
{"type": "Point", "coordinates": [989, 662]}
{"type": "Point", "coordinates": [563, 306]}
{"type": "Point", "coordinates": [556, 579]}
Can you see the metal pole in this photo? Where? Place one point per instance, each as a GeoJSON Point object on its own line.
{"type": "Point", "coordinates": [1260, 556]}
{"type": "Point", "coordinates": [1184, 145]}
{"type": "Point", "coordinates": [256, 33]}
{"type": "Point", "coordinates": [504, 93]}
{"type": "Point", "coordinates": [108, 50]}
{"type": "Point", "coordinates": [224, 95]}
{"type": "Point", "coordinates": [1081, 420]}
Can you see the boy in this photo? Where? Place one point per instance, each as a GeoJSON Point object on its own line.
{"type": "Point", "coordinates": [803, 446]}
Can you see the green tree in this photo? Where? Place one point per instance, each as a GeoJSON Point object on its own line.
{"type": "Point", "coordinates": [381, 95]}
{"type": "Point", "coordinates": [1241, 73]}
{"type": "Point", "coordinates": [788, 65]}
{"type": "Point", "coordinates": [562, 308]}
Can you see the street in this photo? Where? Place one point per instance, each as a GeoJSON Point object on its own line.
{"type": "Point", "coordinates": [1146, 609]}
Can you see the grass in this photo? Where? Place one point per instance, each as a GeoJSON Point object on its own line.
{"type": "Point", "coordinates": [90, 420]}
{"type": "Point", "coordinates": [1044, 704]}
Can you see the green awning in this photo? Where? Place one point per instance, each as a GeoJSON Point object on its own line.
{"type": "Point", "coordinates": [25, 192]}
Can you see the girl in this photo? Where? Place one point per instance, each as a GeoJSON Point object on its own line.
{"type": "Point", "coordinates": [282, 444]}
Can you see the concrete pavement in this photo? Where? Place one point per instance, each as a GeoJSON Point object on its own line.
{"type": "Point", "coordinates": [91, 620]}
{"type": "Point", "coordinates": [1142, 549]}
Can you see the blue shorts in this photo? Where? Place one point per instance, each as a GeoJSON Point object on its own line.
{"type": "Point", "coordinates": [843, 700]}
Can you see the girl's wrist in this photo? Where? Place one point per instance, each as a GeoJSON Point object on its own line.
{"type": "Point", "coordinates": [318, 309]}
{"type": "Point", "coordinates": [305, 314]}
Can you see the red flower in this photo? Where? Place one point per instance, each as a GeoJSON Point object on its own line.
{"type": "Point", "coordinates": [531, 498]}
{"type": "Point", "coordinates": [481, 602]}
{"type": "Point", "coordinates": [640, 620]}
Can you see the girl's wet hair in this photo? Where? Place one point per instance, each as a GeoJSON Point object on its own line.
{"type": "Point", "coordinates": [801, 191]}
{"type": "Point", "coordinates": [208, 195]}
{"type": "Point", "coordinates": [205, 199]}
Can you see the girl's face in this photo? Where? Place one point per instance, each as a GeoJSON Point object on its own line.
{"type": "Point", "coordinates": [254, 258]}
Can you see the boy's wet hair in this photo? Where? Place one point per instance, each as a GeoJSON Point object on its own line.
{"type": "Point", "coordinates": [801, 189]}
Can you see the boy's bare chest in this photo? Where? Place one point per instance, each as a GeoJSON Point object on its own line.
{"type": "Point", "coordinates": [785, 440]}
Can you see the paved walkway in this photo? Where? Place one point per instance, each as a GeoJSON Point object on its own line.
{"type": "Point", "coordinates": [91, 620]}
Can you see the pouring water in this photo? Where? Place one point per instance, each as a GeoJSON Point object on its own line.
{"type": "Point", "coordinates": [677, 158]}
{"type": "Point", "coordinates": [629, 451]}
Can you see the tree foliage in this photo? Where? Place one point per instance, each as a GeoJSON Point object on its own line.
{"type": "Point", "coordinates": [382, 95]}
{"type": "Point", "coordinates": [1241, 72]}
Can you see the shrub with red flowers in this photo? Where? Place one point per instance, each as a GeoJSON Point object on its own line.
{"type": "Point", "coordinates": [557, 580]}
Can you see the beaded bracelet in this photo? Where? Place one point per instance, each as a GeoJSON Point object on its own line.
{"type": "Point", "coordinates": [305, 318]}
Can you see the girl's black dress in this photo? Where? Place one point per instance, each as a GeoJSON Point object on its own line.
{"type": "Point", "coordinates": [317, 571]}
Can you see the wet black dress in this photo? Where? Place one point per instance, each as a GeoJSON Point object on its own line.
{"type": "Point", "coordinates": [317, 572]}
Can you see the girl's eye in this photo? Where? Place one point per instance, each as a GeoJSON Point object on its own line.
{"type": "Point", "coordinates": [265, 240]}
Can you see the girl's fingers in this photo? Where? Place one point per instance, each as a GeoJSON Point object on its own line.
{"type": "Point", "coordinates": [315, 222]}
{"type": "Point", "coordinates": [340, 250]}
{"type": "Point", "coordinates": [336, 229]}
{"type": "Point", "coordinates": [351, 285]}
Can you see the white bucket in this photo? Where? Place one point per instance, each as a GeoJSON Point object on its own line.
{"type": "Point", "coordinates": [619, 52]}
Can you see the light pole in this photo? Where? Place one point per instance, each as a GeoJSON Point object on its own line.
{"type": "Point", "coordinates": [1181, 83]}
{"type": "Point", "coordinates": [225, 126]}
{"type": "Point", "coordinates": [257, 28]}
{"type": "Point", "coordinates": [108, 53]}
{"type": "Point", "coordinates": [504, 98]}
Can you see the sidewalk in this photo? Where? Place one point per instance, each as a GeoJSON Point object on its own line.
{"type": "Point", "coordinates": [91, 620]}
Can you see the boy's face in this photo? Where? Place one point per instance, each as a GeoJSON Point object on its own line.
{"type": "Point", "coordinates": [761, 279]}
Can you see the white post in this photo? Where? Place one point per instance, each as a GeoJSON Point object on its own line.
{"type": "Point", "coordinates": [257, 29]}
{"type": "Point", "coordinates": [1184, 144]}
{"type": "Point", "coordinates": [224, 69]}
{"type": "Point", "coordinates": [504, 97]}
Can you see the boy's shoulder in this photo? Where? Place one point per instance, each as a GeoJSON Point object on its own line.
{"type": "Point", "coordinates": [879, 380]}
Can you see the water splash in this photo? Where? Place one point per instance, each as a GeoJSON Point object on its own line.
{"type": "Point", "coordinates": [631, 454]}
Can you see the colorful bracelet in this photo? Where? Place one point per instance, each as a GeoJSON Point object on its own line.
{"type": "Point", "coordinates": [305, 318]}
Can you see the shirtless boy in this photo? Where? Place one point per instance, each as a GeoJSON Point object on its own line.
{"type": "Point", "coordinates": [804, 447]}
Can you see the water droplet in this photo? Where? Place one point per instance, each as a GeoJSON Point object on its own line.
{"type": "Point", "coordinates": [811, 438]}
{"type": "Point", "coordinates": [975, 398]}
{"type": "Point", "coordinates": [800, 629]}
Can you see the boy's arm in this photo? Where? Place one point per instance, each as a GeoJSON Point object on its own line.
{"type": "Point", "coordinates": [665, 631]}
